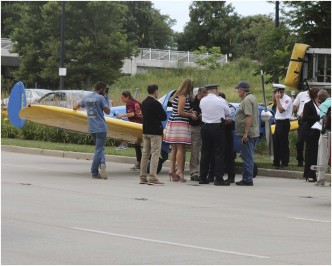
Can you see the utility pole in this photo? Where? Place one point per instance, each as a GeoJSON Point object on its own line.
{"type": "Point", "coordinates": [276, 41]}
{"type": "Point", "coordinates": [62, 70]}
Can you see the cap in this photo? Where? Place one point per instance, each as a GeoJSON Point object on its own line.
{"type": "Point", "coordinates": [293, 93]}
{"type": "Point", "coordinates": [211, 86]}
{"type": "Point", "coordinates": [242, 84]}
{"type": "Point", "coordinates": [278, 86]}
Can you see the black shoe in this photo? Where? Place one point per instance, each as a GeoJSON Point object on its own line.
{"type": "Point", "coordinates": [277, 166]}
{"type": "Point", "coordinates": [230, 180]}
{"type": "Point", "coordinates": [244, 183]}
{"type": "Point", "coordinates": [222, 183]}
{"type": "Point", "coordinates": [203, 182]}
{"type": "Point", "coordinates": [284, 165]}
{"type": "Point", "coordinates": [194, 178]}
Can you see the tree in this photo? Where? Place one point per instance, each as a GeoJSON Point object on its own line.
{"type": "Point", "coordinates": [311, 20]}
{"type": "Point", "coordinates": [207, 63]}
{"type": "Point", "coordinates": [143, 20]}
{"type": "Point", "coordinates": [252, 37]}
{"type": "Point", "coordinates": [9, 17]}
{"type": "Point", "coordinates": [96, 43]}
{"type": "Point", "coordinates": [212, 23]}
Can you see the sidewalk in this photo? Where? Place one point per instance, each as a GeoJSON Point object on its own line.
{"type": "Point", "coordinates": [132, 160]}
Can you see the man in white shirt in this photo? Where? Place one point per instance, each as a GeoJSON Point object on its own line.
{"type": "Point", "coordinates": [282, 118]}
{"type": "Point", "coordinates": [214, 110]}
{"type": "Point", "coordinates": [298, 105]}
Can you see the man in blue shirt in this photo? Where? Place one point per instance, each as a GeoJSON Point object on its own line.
{"type": "Point", "coordinates": [95, 104]}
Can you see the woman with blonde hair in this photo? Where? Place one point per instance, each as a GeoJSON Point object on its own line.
{"type": "Point", "coordinates": [177, 128]}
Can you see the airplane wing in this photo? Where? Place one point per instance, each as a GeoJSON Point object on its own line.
{"type": "Point", "coordinates": [76, 121]}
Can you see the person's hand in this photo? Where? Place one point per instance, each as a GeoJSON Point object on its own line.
{"type": "Point", "coordinates": [244, 138]}
{"type": "Point", "coordinates": [194, 116]}
{"type": "Point", "coordinates": [228, 121]}
{"type": "Point", "coordinates": [119, 116]}
{"type": "Point", "coordinates": [277, 95]}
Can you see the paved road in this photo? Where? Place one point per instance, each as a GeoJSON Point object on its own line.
{"type": "Point", "coordinates": [54, 213]}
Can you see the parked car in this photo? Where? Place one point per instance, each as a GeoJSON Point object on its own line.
{"type": "Point", "coordinates": [32, 95]}
{"type": "Point", "coordinates": [62, 98]}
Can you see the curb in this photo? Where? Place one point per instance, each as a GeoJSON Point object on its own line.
{"type": "Point", "coordinates": [132, 160]}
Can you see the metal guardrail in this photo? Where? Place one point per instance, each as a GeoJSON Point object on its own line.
{"type": "Point", "coordinates": [173, 56]}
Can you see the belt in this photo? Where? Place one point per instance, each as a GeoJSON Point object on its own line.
{"type": "Point", "coordinates": [280, 120]}
{"type": "Point", "coordinates": [212, 124]}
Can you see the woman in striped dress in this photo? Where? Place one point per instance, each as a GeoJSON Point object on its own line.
{"type": "Point", "coordinates": [177, 128]}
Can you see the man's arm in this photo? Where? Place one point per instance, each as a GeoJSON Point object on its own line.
{"type": "Point", "coordinates": [246, 128]}
{"type": "Point", "coordinates": [76, 106]}
{"type": "Point", "coordinates": [107, 110]}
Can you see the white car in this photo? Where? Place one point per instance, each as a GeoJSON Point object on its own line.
{"type": "Point", "coordinates": [32, 95]}
{"type": "Point", "coordinates": [62, 98]}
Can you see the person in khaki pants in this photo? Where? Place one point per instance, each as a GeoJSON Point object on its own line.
{"type": "Point", "coordinates": [153, 113]}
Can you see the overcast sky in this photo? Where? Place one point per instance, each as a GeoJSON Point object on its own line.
{"type": "Point", "coordinates": [179, 10]}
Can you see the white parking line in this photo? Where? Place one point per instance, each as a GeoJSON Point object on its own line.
{"type": "Point", "coordinates": [311, 220]}
{"type": "Point", "coordinates": [171, 243]}
{"type": "Point", "coordinates": [40, 168]}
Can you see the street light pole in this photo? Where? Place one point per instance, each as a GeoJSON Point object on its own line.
{"type": "Point", "coordinates": [277, 26]}
{"type": "Point", "coordinates": [62, 70]}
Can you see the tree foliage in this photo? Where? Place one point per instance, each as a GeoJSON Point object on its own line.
{"type": "Point", "coordinates": [207, 63]}
{"type": "Point", "coordinates": [212, 23]}
{"type": "Point", "coordinates": [310, 20]}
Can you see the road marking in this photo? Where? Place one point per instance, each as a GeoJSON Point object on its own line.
{"type": "Point", "coordinates": [312, 220]}
{"type": "Point", "coordinates": [40, 168]}
{"type": "Point", "coordinates": [171, 243]}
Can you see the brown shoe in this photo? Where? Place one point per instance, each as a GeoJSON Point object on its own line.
{"type": "Point", "coordinates": [143, 180]}
{"type": "Point", "coordinates": [155, 182]}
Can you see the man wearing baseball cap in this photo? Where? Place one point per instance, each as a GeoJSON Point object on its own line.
{"type": "Point", "coordinates": [282, 118]}
{"type": "Point", "coordinates": [247, 129]}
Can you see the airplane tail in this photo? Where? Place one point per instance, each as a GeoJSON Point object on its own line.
{"type": "Point", "coordinates": [17, 101]}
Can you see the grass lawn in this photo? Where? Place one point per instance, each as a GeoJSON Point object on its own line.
{"type": "Point", "coordinates": [262, 160]}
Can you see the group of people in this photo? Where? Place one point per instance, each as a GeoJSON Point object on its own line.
{"type": "Point", "coordinates": [207, 122]}
{"type": "Point", "coordinates": [312, 108]}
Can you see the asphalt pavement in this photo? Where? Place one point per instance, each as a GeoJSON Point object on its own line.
{"type": "Point", "coordinates": [53, 212]}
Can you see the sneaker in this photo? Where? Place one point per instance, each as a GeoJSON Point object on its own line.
{"type": "Point", "coordinates": [122, 147]}
{"type": "Point", "coordinates": [135, 168]}
{"type": "Point", "coordinates": [96, 176]}
{"type": "Point", "coordinates": [143, 180]}
{"type": "Point", "coordinates": [320, 183]}
{"type": "Point", "coordinates": [244, 183]}
{"type": "Point", "coordinates": [155, 182]}
{"type": "Point", "coordinates": [103, 173]}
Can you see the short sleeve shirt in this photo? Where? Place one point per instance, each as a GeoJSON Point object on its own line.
{"type": "Point", "coordinates": [301, 99]}
{"type": "Point", "coordinates": [213, 108]}
{"type": "Point", "coordinates": [324, 107]}
{"type": "Point", "coordinates": [248, 106]}
{"type": "Point", "coordinates": [95, 105]}
{"type": "Point", "coordinates": [287, 104]}
{"type": "Point", "coordinates": [134, 106]}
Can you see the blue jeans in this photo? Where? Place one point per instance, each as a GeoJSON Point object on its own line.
{"type": "Point", "coordinates": [99, 138]}
{"type": "Point", "coordinates": [247, 155]}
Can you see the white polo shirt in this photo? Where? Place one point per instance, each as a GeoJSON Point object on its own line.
{"type": "Point", "coordinates": [301, 99]}
{"type": "Point", "coordinates": [287, 104]}
{"type": "Point", "coordinates": [213, 108]}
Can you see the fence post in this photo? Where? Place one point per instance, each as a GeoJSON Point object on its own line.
{"type": "Point", "coordinates": [169, 55]}
{"type": "Point", "coordinates": [188, 57]}
{"type": "Point", "coordinates": [136, 92]}
{"type": "Point", "coordinates": [150, 53]}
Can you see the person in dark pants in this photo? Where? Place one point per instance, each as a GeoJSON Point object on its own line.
{"type": "Point", "coordinates": [282, 117]}
{"type": "Point", "coordinates": [214, 110]}
{"type": "Point", "coordinates": [134, 114]}
{"type": "Point", "coordinates": [301, 99]}
{"type": "Point", "coordinates": [311, 115]}
{"type": "Point", "coordinates": [229, 147]}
